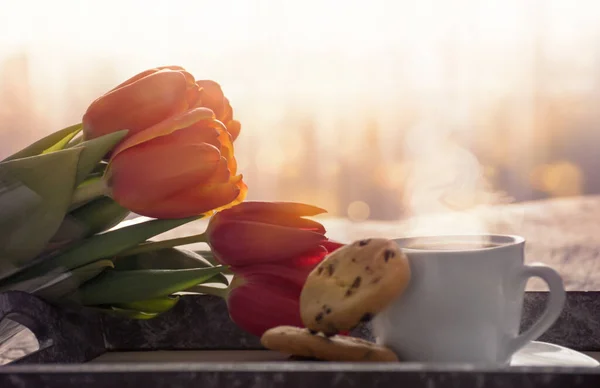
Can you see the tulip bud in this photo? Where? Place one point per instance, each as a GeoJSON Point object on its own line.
{"type": "Point", "coordinates": [259, 232]}
{"type": "Point", "coordinates": [153, 96]}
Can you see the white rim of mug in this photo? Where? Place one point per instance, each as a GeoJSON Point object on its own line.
{"type": "Point", "coordinates": [509, 240]}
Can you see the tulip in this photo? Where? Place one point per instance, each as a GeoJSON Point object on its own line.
{"type": "Point", "coordinates": [261, 232]}
{"type": "Point", "coordinates": [271, 248]}
{"type": "Point", "coordinates": [264, 296]}
{"type": "Point", "coordinates": [152, 97]}
{"type": "Point", "coordinates": [180, 167]}
{"type": "Point", "coordinates": [258, 303]}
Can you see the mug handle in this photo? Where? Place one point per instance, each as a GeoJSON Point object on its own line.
{"type": "Point", "coordinates": [553, 308]}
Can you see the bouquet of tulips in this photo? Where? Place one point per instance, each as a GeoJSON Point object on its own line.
{"type": "Point", "coordinates": [159, 146]}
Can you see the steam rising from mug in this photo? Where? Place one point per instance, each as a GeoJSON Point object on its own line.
{"type": "Point", "coordinates": [446, 190]}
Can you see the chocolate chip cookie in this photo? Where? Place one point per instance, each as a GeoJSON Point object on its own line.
{"type": "Point", "coordinates": [300, 342]}
{"type": "Point", "coordinates": [353, 284]}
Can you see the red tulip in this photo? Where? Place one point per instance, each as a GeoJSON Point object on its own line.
{"type": "Point", "coordinates": [271, 248]}
{"type": "Point", "coordinates": [264, 296]}
{"type": "Point", "coordinates": [152, 97]}
{"type": "Point", "coordinates": [180, 167]}
{"type": "Point", "coordinates": [260, 232]}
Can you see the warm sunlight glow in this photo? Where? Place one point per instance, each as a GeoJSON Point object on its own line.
{"type": "Point", "coordinates": [335, 96]}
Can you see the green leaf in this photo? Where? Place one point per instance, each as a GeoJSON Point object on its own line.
{"type": "Point", "coordinates": [123, 313]}
{"type": "Point", "coordinates": [45, 143]}
{"type": "Point", "coordinates": [94, 151]}
{"type": "Point", "coordinates": [153, 306]}
{"type": "Point", "coordinates": [72, 280]}
{"type": "Point", "coordinates": [115, 287]}
{"type": "Point", "coordinates": [210, 257]}
{"type": "Point", "coordinates": [35, 193]}
{"type": "Point", "coordinates": [168, 258]}
{"type": "Point", "coordinates": [105, 245]}
{"type": "Point", "coordinates": [62, 143]}
{"type": "Point", "coordinates": [94, 217]}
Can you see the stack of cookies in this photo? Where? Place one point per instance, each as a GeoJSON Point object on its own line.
{"type": "Point", "coordinates": [350, 286]}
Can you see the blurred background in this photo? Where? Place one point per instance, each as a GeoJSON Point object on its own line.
{"type": "Point", "coordinates": [375, 110]}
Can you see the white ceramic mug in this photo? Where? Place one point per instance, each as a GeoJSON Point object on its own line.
{"type": "Point", "coordinates": [463, 303]}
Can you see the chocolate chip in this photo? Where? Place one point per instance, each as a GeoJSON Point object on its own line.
{"type": "Point", "coordinates": [354, 259]}
{"type": "Point", "coordinates": [320, 270]}
{"type": "Point", "coordinates": [388, 254]}
{"type": "Point", "coordinates": [356, 282]}
{"type": "Point", "coordinates": [330, 269]}
{"type": "Point", "coordinates": [312, 332]}
{"type": "Point", "coordinates": [328, 310]}
{"type": "Point", "coordinates": [362, 243]}
{"type": "Point", "coordinates": [348, 292]}
{"type": "Point", "coordinates": [367, 317]}
{"type": "Point", "coordinates": [319, 317]}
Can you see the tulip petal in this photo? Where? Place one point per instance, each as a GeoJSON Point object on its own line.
{"type": "Point", "coordinates": [269, 208]}
{"type": "Point", "coordinates": [233, 127]}
{"type": "Point", "coordinates": [276, 213]}
{"type": "Point", "coordinates": [264, 302]}
{"type": "Point", "coordinates": [241, 185]}
{"type": "Point", "coordinates": [137, 105]}
{"type": "Point", "coordinates": [294, 270]}
{"type": "Point", "coordinates": [166, 127]}
{"type": "Point", "coordinates": [146, 73]}
{"type": "Point", "coordinates": [198, 133]}
{"type": "Point", "coordinates": [212, 97]}
{"type": "Point", "coordinates": [140, 176]}
{"type": "Point", "coordinates": [240, 243]}
{"type": "Point", "coordinates": [228, 113]}
{"type": "Point", "coordinates": [192, 202]}
{"type": "Point", "coordinates": [227, 149]}
{"type": "Point", "coordinates": [220, 174]}
{"type": "Point", "coordinates": [133, 79]}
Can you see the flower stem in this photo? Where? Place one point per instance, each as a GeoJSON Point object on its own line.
{"type": "Point", "coordinates": [89, 190]}
{"type": "Point", "coordinates": [155, 245]}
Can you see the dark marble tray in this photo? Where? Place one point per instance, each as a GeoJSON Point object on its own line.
{"type": "Point", "coordinates": [291, 374]}
{"type": "Point", "coordinates": [71, 335]}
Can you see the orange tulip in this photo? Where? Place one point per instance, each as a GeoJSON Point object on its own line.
{"type": "Point", "coordinates": [180, 167]}
{"type": "Point", "coordinates": [152, 97]}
